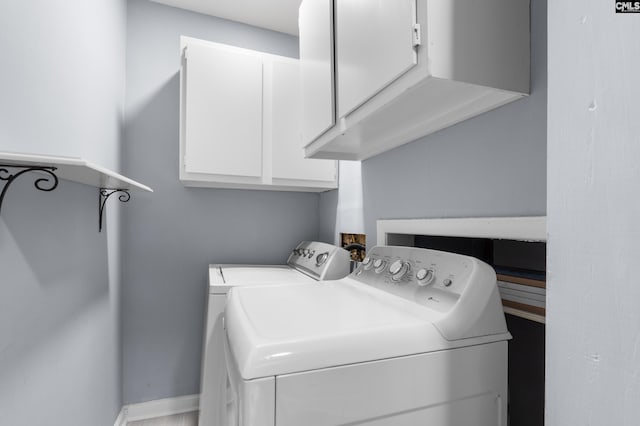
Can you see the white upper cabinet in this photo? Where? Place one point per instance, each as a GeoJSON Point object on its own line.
{"type": "Point", "coordinates": [407, 68]}
{"type": "Point", "coordinates": [316, 60]}
{"type": "Point", "coordinates": [288, 154]}
{"type": "Point", "coordinates": [222, 83]}
{"type": "Point", "coordinates": [240, 122]}
{"type": "Point", "coordinates": [374, 46]}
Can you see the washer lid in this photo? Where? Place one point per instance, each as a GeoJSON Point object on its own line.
{"type": "Point", "coordinates": [223, 277]}
{"type": "Point", "coordinates": [288, 328]}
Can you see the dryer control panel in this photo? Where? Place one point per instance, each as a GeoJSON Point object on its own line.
{"type": "Point", "coordinates": [415, 274]}
{"type": "Point", "coordinates": [319, 260]}
{"type": "Point", "coordinates": [460, 290]}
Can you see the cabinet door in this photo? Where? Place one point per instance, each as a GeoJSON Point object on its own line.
{"type": "Point", "coordinates": [223, 116]}
{"type": "Point", "coordinates": [374, 46]}
{"type": "Point", "coordinates": [315, 20]}
{"type": "Point", "coordinates": [288, 154]}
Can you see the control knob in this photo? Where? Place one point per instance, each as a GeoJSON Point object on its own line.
{"type": "Point", "coordinates": [379, 265]}
{"type": "Point", "coordinates": [398, 269]}
{"type": "Point", "coordinates": [425, 276]}
{"type": "Point", "coordinates": [366, 263]}
{"type": "Point", "coordinates": [321, 258]}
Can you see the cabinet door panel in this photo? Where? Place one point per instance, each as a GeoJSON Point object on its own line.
{"type": "Point", "coordinates": [288, 155]}
{"type": "Point", "coordinates": [223, 112]}
{"type": "Point", "coordinates": [374, 46]}
{"type": "Point", "coordinates": [317, 77]}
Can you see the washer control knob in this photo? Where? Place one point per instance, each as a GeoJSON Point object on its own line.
{"type": "Point", "coordinates": [367, 263]}
{"type": "Point", "coordinates": [425, 276]}
{"type": "Point", "coordinates": [321, 258]}
{"type": "Point", "coordinates": [379, 265]}
{"type": "Point", "coordinates": [398, 269]}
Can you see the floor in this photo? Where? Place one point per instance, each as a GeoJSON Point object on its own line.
{"type": "Point", "coordinates": [186, 419]}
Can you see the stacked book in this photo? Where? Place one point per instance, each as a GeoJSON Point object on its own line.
{"type": "Point", "coordinates": [522, 290]}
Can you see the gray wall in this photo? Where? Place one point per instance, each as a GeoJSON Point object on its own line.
{"type": "Point", "coordinates": [173, 234]}
{"type": "Point", "coordinates": [593, 315]}
{"type": "Point", "coordinates": [491, 165]}
{"type": "Point", "coordinates": [62, 86]}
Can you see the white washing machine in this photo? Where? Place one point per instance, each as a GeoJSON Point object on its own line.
{"type": "Point", "coordinates": [412, 337]}
{"type": "Point", "coordinates": [309, 262]}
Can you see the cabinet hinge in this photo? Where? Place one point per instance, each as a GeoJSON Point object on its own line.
{"type": "Point", "coordinates": [417, 35]}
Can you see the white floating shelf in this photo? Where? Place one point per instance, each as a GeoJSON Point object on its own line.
{"type": "Point", "coordinates": [74, 169]}
{"type": "Point", "coordinates": [52, 168]}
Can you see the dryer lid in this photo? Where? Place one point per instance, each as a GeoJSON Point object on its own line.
{"type": "Point", "coordinates": [288, 328]}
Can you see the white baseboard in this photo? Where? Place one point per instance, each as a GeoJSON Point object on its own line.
{"type": "Point", "coordinates": [158, 408]}
{"type": "Point", "coordinates": [121, 420]}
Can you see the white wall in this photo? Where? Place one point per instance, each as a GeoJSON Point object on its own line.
{"type": "Point", "coordinates": [593, 291]}
{"type": "Point", "coordinates": [62, 78]}
{"type": "Point", "coordinates": [61, 93]}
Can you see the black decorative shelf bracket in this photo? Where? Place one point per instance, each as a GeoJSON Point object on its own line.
{"type": "Point", "coordinates": [105, 193]}
{"type": "Point", "coordinates": [47, 183]}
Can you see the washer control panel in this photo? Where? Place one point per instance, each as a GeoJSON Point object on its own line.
{"type": "Point", "coordinates": [429, 277]}
{"type": "Point", "coordinates": [319, 260]}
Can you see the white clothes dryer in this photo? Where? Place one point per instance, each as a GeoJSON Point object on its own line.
{"type": "Point", "coordinates": [412, 337]}
{"type": "Point", "coordinates": [309, 262]}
